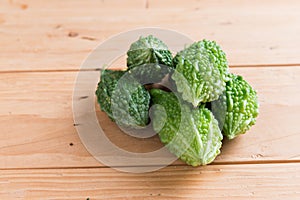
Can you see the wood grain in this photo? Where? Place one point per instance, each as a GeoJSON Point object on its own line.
{"type": "Point", "coordinates": [43, 44]}
{"type": "Point", "coordinates": [59, 35]}
{"type": "Point", "coordinates": [38, 132]}
{"type": "Point", "coordinates": [274, 181]}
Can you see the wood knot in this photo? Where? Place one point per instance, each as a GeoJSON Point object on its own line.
{"type": "Point", "coordinates": [73, 34]}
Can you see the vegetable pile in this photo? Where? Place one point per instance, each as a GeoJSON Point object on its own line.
{"type": "Point", "coordinates": [206, 101]}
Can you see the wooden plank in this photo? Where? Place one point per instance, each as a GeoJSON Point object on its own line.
{"type": "Point", "coordinates": [60, 34]}
{"type": "Point", "coordinates": [37, 127]}
{"type": "Point", "coordinates": [265, 181]}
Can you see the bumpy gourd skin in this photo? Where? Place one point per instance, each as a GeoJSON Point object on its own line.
{"type": "Point", "coordinates": [106, 86]}
{"type": "Point", "coordinates": [123, 99]}
{"type": "Point", "coordinates": [217, 56]}
{"type": "Point", "coordinates": [241, 106]}
{"type": "Point", "coordinates": [152, 56]}
{"type": "Point", "coordinates": [197, 75]}
{"type": "Point", "coordinates": [192, 134]}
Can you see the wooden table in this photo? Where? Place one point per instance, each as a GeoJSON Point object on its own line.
{"type": "Point", "coordinates": [42, 45]}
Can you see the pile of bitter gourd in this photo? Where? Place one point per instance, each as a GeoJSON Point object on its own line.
{"type": "Point", "coordinates": [204, 101]}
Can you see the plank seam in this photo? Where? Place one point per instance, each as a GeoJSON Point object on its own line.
{"type": "Point", "coordinates": [262, 162]}
{"type": "Point", "coordinates": [98, 69]}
